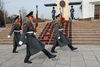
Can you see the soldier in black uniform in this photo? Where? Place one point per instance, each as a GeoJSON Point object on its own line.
{"type": "Point", "coordinates": [60, 39]}
{"type": "Point", "coordinates": [33, 44]}
{"type": "Point", "coordinates": [72, 12]}
{"type": "Point", "coordinates": [16, 27]}
{"type": "Point", "coordinates": [53, 13]}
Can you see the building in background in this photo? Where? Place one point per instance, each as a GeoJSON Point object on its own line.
{"type": "Point", "coordinates": [90, 9]}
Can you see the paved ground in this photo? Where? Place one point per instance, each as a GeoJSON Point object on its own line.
{"type": "Point", "coordinates": [1, 29]}
{"type": "Point", "coordinates": [85, 56]}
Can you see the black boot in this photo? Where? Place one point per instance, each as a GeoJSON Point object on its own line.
{"type": "Point", "coordinates": [27, 61]}
{"type": "Point", "coordinates": [71, 47]}
{"type": "Point", "coordinates": [15, 51]}
{"type": "Point", "coordinates": [48, 54]}
{"type": "Point", "coordinates": [53, 49]}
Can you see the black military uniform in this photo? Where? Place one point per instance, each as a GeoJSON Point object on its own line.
{"type": "Point", "coordinates": [60, 39]}
{"type": "Point", "coordinates": [72, 12]}
{"type": "Point", "coordinates": [16, 27]}
{"type": "Point", "coordinates": [33, 44]}
{"type": "Point", "coordinates": [53, 13]}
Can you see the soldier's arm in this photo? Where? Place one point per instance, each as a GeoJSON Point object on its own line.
{"type": "Point", "coordinates": [25, 27]}
{"type": "Point", "coordinates": [12, 30]}
{"type": "Point", "coordinates": [57, 30]}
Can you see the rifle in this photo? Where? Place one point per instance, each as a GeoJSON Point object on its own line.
{"type": "Point", "coordinates": [20, 19]}
{"type": "Point", "coordinates": [61, 21]}
{"type": "Point", "coordinates": [36, 23]}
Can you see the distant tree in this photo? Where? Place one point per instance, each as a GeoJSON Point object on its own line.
{"type": "Point", "coordinates": [2, 21]}
{"type": "Point", "coordinates": [1, 5]}
{"type": "Point", "coordinates": [42, 16]}
{"type": "Point", "coordinates": [23, 13]}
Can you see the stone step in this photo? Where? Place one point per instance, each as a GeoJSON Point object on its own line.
{"type": "Point", "coordinates": [87, 33]}
{"type": "Point", "coordinates": [74, 39]}
{"type": "Point", "coordinates": [6, 40]}
{"type": "Point", "coordinates": [6, 43]}
{"type": "Point", "coordinates": [85, 43]}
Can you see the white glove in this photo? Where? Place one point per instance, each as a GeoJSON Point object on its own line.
{"type": "Point", "coordinates": [9, 36]}
{"type": "Point", "coordinates": [60, 29]}
{"type": "Point", "coordinates": [20, 43]}
{"type": "Point", "coordinates": [58, 37]}
{"type": "Point", "coordinates": [34, 33]}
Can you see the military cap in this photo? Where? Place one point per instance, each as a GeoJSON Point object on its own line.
{"type": "Point", "coordinates": [30, 14]}
{"type": "Point", "coordinates": [58, 15]}
{"type": "Point", "coordinates": [16, 17]}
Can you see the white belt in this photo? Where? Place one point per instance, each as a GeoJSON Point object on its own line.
{"type": "Point", "coordinates": [16, 31]}
{"type": "Point", "coordinates": [30, 32]}
{"type": "Point", "coordinates": [60, 29]}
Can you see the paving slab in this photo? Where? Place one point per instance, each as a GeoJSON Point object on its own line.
{"type": "Point", "coordinates": [85, 56]}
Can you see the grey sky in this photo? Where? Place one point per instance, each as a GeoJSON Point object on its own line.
{"type": "Point", "coordinates": [13, 7]}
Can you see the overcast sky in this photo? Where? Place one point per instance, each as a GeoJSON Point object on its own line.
{"type": "Point", "coordinates": [13, 7]}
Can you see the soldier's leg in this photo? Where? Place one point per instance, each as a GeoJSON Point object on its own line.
{"type": "Point", "coordinates": [26, 60]}
{"type": "Point", "coordinates": [70, 45]}
{"type": "Point", "coordinates": [54, 46]}
{"type": "Point", "coordinates": [14, 46]}
{"type": "Point", "coordinates": [48, 54]}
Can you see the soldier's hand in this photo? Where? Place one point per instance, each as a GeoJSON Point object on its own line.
{"type": "Point", "coordinates": [60, 29]}
{"type": "Point", "coordinates": [20, 43]}
{"type": "Point", "coordinates": [9, 36]}
{"type": "Point", "coordinates": [58, 37]}
{"type": "Point", "coordinates": [34, 33]}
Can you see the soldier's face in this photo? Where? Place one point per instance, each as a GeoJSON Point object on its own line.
{"type": "Point", "coordinates": [17, 20]}
{"type": "Point", "coordinates": [58, 18]}
{"type": "Point", "coordinates": [31, 18]}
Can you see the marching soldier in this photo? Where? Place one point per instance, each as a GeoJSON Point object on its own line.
{"type": "Point", "coordinates": [16, 27]}
{"type": "Point", "coordinates": [60, 39]}
{"type": "Point", "coordinates": [33, 44]}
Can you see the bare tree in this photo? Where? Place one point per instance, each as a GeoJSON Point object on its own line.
{"type": "Point", "coordinates": [2, 15]}
{"type": "Point", "coordinates": [1, 5]}
{"type": "Point", "coordinates": [23, 13]}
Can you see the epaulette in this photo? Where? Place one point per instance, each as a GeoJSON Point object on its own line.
{"type": "Point", "coordinates": [14, 23]}
{"type": "Point", "coordinates": [25, 22]}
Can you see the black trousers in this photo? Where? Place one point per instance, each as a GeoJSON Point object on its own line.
{"type": "Point", "coordinates": [27, 53]}
{"type": "Point", "coordinates": [14, 46]}
{"type": "Point", "coordinates": [57, 44]}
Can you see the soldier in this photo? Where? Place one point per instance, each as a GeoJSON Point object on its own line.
{"type": "Point", "coordinates": [33, 44]}
{"type": "Point", "coordinates": [53, 13]}
{"type": "Point", "coordinates": [16, 27]}
{"type": "Point", "coordinates": [60, 39]}
{"type": "Point", "coordinates": [72, 12]}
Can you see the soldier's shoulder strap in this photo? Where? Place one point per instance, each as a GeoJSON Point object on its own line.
{"type": "Point", "coordinates": [14, 24]}
{"type": "Point", "coordinates": [26, 24]}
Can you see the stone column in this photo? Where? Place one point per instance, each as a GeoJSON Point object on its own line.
{"type": "Point", "coordinates": [66, 10]}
